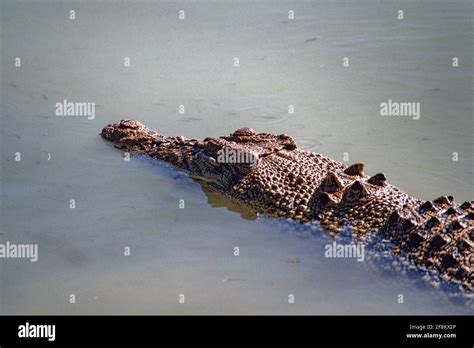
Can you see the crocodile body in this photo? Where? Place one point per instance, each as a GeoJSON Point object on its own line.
{"type": "Point", "coordinates": [277, 178]}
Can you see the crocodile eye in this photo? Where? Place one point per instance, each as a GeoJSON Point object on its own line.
{"type": "Point", "coordinates": [244, 132]}
{"type": "Point", "coordinates": [286, 141]}
{"type": "Point", "coordinates": [289, 146]}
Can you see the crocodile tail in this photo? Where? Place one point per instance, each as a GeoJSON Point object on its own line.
{"type": "Point", "coordinates": [438, 234]}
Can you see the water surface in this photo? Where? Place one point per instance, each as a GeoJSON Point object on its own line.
{"type": "Point", "coordinates": [189, 62]}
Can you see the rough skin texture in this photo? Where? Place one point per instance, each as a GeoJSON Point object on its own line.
{"type": "Point", "coordinates": [286, 181]}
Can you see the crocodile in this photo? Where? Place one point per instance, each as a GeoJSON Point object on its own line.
{"type": "Point", "coordinates": [269, 174]}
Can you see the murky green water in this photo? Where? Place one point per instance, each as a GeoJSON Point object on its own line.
{"type": "Point", "coordinates": [190, 62]}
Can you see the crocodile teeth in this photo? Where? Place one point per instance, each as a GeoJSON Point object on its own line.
{"type": "Point", "coordinates": [378, 179]}
{"type": "Point", "coordinates": [356, 169]}
{"type": "Point", "coordinates": [330, 183]}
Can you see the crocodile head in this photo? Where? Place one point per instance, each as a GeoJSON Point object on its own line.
{"type": "Point", "coordinates": [230, 158]}
{"type": "Point", "coordinates": [221, 161]}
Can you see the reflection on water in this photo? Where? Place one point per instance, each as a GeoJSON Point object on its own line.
{"type": "Point", "coordinates": [216, 199]}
